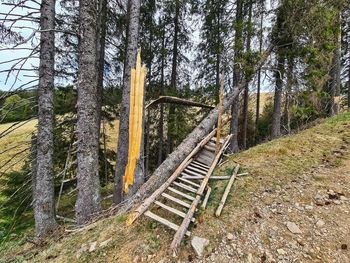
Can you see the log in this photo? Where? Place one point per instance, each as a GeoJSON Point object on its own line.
{"type": "Point", "coordinates": [227, 191]}
{"type": "Point", "coordinates": [180, 101]}
{"type": "Point", "coordinates": [167, 168]}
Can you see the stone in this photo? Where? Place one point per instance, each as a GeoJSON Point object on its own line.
{"type": "Point", "coordinates": [337, 202]}
{"type": "Point", "coordinates": [105, 243]}
{"type": "Point", "coordinates": [281, 251]}
{"type": "Point", "coordinates": [230, 236]}
{"type": "Point", "coordinates": [343, 198]}
{"type": "Point", "coordinates": [309, 207]}
{"type": "Point", "coordinates": [320, 223]}
{"type": "Point", "coordinates": [199, 245]}
{"type": "Point", "coordinates": [292, 227]}
{"type": "Point", "coordinates": [92, 246]}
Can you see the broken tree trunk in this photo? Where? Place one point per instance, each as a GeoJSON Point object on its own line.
{"type": "Point", "coordinates": [165, 170]}
{"type": "Point", "coordinates": [179, 101]}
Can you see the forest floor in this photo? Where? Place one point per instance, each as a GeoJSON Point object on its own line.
{"type": "Point", "coordinates": [292, 207]}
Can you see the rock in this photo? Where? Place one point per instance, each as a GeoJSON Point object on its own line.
{"type": "Point", "coordinates": [105, 243]}
{"type": "Point", "coordinates": [292, 227]}
{"type": "Point", "coordinates": [343, 198]}
{"type": "Point", "coordinates": [281, 251]}
{"type": "Point", "coordinates": [92, 246]}
{"type": "Point", "coordinates": [309, 207]}
{"type": "Point", "coordinates": [337, 202]}
{"type": "Point", "coordinates": [344, 246]}
{"type": "Point", "coordinates": [249, 258]}
{"type": "Point", "coordinates": [199, 245]}
{"type": "Point", "coordinates": [230, 236]}
{"type": "Point", "coordinates": [320, 223]}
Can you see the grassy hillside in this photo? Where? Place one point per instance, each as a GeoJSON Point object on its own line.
{"type": "Point", "coordinates": [286, 163]}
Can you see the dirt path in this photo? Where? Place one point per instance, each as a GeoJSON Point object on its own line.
{"type": "Point", "coordinates": [305, 220]}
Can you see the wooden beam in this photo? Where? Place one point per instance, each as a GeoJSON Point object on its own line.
{"type": "Point", "coordinates": [227, 190]}
{"type": "Point", "coordinates": [172, 210]}
{"type": "Point", "coordinates": [164, 222]}
{"type": "Point", "coordinates": [206, 198]}
{"type": "Point", "coordinates": [180, 101]}
{"type": "Point", "coordinates": [191, 198]}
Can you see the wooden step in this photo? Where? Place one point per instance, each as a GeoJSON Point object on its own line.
{"type": "Point", "coordinates": [195, 170]}
{"type": "Point", "coordinates": [172, 210]}
{"type": "Point", "coordinates": [186, 187]}
{"type": "Point", "coordinates": [210, 148]}
{"type": "Point", "coordinates": [164, 221]}
{"type": "Point", "coordinates": [188, 182]}
{"type": "Point", "coordinates": [198, 166]}
{"type": "Point", "coordinates": [190, 172]}
{"type": "Point", "coordinates": [207, 153]}
{"type": "Point", "coordinates": [203, 165]}
{"type": "Point", "coordinates": [214, 140]}
{"type": "Point", "coordinates": [191, 198]}
{"type": "Point", "coordinates": [175, 200]}
{"type": "Point", "coordinates": [204, 160]}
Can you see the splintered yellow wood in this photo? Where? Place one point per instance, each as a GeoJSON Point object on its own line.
{"type": "Point", "coordinates": [135, 121]}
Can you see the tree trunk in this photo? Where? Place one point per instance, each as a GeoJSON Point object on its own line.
{"type": "Point", "coordinates": [161, 117]}
{"type": "Point", "coordinates": [172, 117]}
{"type": "Point", "coordinates": [88, 128]}
{"type": "Point", "coordinates": [44, 207]}
{"type": "Point", "coordinates": [276, 115]}
{"type": "Point", "coordinates": [288, 94]}
{"type": "Point", "coordinates": [165, 170]}
{"type": "Point", "coordinates": [246, 89]}
{"type": "Point", "coordinates": [237, 75]}
{"type": "Point", "coordinates": [123, 139]}
{"type": "Point", "coordinates": [257, 112]}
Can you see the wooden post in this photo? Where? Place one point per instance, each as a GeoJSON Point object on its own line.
{"type": "Point", "coordinates": [227, 190]}
{"type": "Point", "coordinates": [220, 114]}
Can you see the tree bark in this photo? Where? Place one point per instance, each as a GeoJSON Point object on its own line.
{"type": "Point", "coordinates": [123, 139]}
{"type": "Point", "coordinates": [237, 75]}
{"type": "Point", "coordinates": [288, 94]}
{"type": "Point", "coordinates": [257, 112]}
{"type": "Point", "coordinates": [44, 201]}
{"type": "Point", "coordinates": [161, 117]}
{"type": "Point", "coordinates": [165, 170]}
{"type": "Point", "coordinates": [87, 128]}
{"type": "Point", "coordinates": [276, 115]}
{"type": "Point", "coordinates": [246, 89]}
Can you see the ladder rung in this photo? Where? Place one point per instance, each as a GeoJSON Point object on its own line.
{"type": "Point", "coordinates": [198, 167]}
{"type": "Point", "coordinates": [164, 221]}
{"type": "Point", "coordinates": [194, 169]}
{"type": "Point", "coordinates": [173, 210]}
{"type": "Point", "coordinates": [204, 159]}
{"type": "Point", "coordinates": [188, 182]}
{"type": "Point", "coordinates": [186, 187]}
{"type": "Point", "coordinates": [175, 200]}
{"type": "Point", "coordinates": [201, 164]}
{"type": "Point", "coordinates": [191, 198]}
{"type": "Point", "coordinates": [209, 148]}
{"type": "Point", "coordinates": [189, 172]}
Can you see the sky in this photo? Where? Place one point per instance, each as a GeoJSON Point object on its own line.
{"type": "Point", "coordinates": [6, 55]}
{"type": "Point", "coordinates": [34, 62]}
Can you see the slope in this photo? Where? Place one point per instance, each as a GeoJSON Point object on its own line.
{"type": "Point", "coordinates": [300, 179]}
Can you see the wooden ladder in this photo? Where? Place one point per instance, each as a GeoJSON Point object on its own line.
{"type": "Point", "coordinates": [181, 194]}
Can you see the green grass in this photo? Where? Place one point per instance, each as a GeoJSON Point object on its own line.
{"type": "Point", "coordinates": [269, 165]}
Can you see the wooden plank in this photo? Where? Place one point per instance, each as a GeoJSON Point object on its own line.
{"type": "Point", "coordinates": [148, 201]}
{"type": "Point", "coordinates": [175, 200]}
{"type": "Point", "coordinates": [180, 233]}
{"type": "Point", "coordinates": [172, 210]}
{"type": "Point", "coordinates": [164, 222]}
{"type": "Point", "coordinates": [186, 187]}
{"type": "Point", "coordinates": [188, 181]}
{"type": "Point", "coordinates": [191, 198]}
{"type": "Point", "coordinates": [209, 148]}
{"type": "Point", "coordinates": [204, 160]}
{"type": "Point", "coordinates": [214, 140]}
{"type": "Point", "coordinates": [227, 190]}
{"type": "Point", "coordinates": [200, 164]}
{"type": "Point", "coordinates": [206, 198]}
{"type": "Point", "coordinates": [190, 172]}
{"type": "Point", "coordinates": [207, 154]}
{"type": "Point", "coordinates": [194, 169]}
{"type": "Point", "coordinates": [211, 177]}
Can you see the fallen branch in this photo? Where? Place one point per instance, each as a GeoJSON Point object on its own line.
{"type": "Point", "coordinates": [180, 101]}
